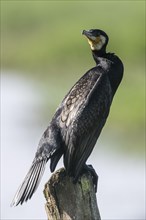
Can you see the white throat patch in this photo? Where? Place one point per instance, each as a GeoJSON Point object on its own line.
{"type": "Point", "coordinates": [97, 43]}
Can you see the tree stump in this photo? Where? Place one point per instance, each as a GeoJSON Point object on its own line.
{"type": "Point", "coordinates": [69, 201]}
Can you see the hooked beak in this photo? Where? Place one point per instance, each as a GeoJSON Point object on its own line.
{"type": "Point", "coordinates": [87, 34]}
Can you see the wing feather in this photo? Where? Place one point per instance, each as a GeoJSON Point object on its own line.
{"type": "Point", "coordinates": [85, 149]}
{"type": "Point", "coordinates": [85, 121]}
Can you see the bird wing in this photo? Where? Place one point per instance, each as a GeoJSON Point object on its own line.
{"type": "Point", "coordinates": [84, 113]}
{"type": "Point", "coordinates": [77, 97]}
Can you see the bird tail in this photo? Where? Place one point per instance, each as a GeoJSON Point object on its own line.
{"type": "Point", "coordinates": [30, 183]}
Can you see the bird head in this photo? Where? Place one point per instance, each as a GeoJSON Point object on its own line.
{"type": "Point", "coordinates": [97, 39]}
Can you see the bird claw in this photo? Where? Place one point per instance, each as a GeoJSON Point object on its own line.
{"type": "Point", "coordinates": [89, 168]}
{"type": "Point", "coordinates": [93, 174]}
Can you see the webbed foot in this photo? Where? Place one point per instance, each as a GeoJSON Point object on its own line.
{"type": "Point", "coordinates": [93, 174]}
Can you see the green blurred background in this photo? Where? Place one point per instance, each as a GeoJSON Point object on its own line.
{"type": "Point", "coordinates": [43, 40]}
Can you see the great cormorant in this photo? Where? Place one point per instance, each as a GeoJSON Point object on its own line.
{"type": "Point", "coordinates": [78, 121]}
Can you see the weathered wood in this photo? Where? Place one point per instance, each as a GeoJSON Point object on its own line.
{"type": "Point", "coordinates": [69, 201]}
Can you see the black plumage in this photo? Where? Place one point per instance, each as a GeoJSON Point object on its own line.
{"type": "Point", "coordinates": [78, 121]}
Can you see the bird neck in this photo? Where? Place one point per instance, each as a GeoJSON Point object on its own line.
{"type": "Point", "coordinates": [116, 74]}
{"type": "Point", "coordinates": [97, 54]}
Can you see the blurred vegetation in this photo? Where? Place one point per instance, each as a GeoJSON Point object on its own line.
{"type": "Point", "coordinates": [43, 39]}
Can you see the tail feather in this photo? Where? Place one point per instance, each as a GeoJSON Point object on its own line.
{"type": "Point", "coordinates": [25, 188]}
{"type": "Point", "coordinates": [30, 183]}
{"type": "Point", "coordinates": [42, 168]}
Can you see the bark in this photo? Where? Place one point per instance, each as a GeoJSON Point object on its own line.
{"type": "Point", "coordinates": [69, 201]}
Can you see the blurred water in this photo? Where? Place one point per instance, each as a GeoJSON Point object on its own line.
{"type": "Point", "coordinates": [121, 189]}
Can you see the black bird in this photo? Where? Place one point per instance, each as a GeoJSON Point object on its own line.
{"type": "Point", "coordinates": [78, 121]}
